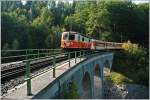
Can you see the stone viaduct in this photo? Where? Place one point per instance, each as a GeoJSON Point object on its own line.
{"type": "Point", "coordinates": [88, 76]}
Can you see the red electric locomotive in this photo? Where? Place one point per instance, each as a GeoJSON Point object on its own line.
{"type": "Point", "coordinates": [74, 40]}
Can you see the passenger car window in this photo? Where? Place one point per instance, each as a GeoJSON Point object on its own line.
{"type": "Point", "coordinates": [89, 40]}
{"type": "Point", "coordinates": [71, 37]}
{"type": "Point", "coordinates": [85, 39]}
{"type": "Point", "coordinates": [82, 38]}
{"type": "Point", "coordinates": [78, 37]}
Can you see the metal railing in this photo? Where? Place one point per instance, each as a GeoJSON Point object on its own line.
{"type": "Point", "coordinates": [75, 54]}
{"type": "Point", "coordinates": [31, 55]}
{"type": "Point", "coordinates": [20, 55]}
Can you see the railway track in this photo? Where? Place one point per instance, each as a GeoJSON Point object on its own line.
{"type": "Point", "coordinates": [12, 74]}
{"type": "Point", "coordinates": [18, 70]}
{"type": "Point", "coordinates": [15, 69]}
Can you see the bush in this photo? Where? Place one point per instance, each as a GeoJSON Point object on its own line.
{"type": "Point", "coordinates": [132, 62]}
{"type": "Point", "coordinates": [71, 92]}
{"type": "Point", "coordinates": [133, 49]}
{"type": "Point", "coordinates": [119, 79]}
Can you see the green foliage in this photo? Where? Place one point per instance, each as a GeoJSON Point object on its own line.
{"type": "Point", "coordinates": [106, 36]}
{"type": "Point", "coordinates": [119, 79]}
{"type": "Point", "coordinates": [134, 50]}
{"type": "Point", "coordinates": [6, 46]}
{"type": "Point", "coordinates": [42, 28]}
{"type": "Point", "coordinates": [9, 5]}
{"type": "Point", "coordinates": [14, 26]}
{"type": "Point", "coordinates": [53, 38]}
{"type": "Point", "coordinates": [133, 62]}
{"type": "Point", "coordinates": [76, 22]}
{"type": "Point", "coordinates": [98, 22]}
{"type": "Point", "coordinates": [15, 45]}
{"type": "Point", "coordinates": [127, 18]}
{"type": "Point", "coordinates": [72, 91]}
{"type": "Point", "coordinates": [39, 23]}
{"type": "Point", "coordinates": [45, 20]}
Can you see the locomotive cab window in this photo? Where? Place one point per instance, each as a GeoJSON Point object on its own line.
{"type": "Point", "coordinates": [65, 36]}
{"type": "Point", "coordinates": [71, 37]}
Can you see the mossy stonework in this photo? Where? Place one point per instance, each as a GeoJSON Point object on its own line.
{"type": "Point", "coordinates": [70, 91]}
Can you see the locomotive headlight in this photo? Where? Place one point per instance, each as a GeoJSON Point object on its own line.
{"type": "Point", "coordinates": [67, 43]}
{"type": "Point", "coordinates": [64, 44]}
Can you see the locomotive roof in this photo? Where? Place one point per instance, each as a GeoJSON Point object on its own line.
{"type": "Point", "coordinates": [78, 33]}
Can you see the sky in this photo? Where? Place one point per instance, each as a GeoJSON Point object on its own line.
{"type": "Point", "coordinates": [23, 2]}
{"type": "Point", "coordinates": [70, 1]}
{"type": "Point", "coordinates": [140, 1]}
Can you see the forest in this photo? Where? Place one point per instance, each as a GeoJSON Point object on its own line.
{"type": "Point", "coordinates": [39, 24]}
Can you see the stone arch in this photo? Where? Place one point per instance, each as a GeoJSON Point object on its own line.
{"type": "Point", "coordinates": [86, 85]}
{"type": "Point", "coordinates": [107, 67]}
{"type": "Point", "coordinates": [107, 64]}
{"type": "Point", "coordinates": [97, 82]}
{"type": "Point", "coordinates": [97, 70]}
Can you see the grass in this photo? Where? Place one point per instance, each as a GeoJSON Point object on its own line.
{"type": "Point", "coordinates": [119, 79]}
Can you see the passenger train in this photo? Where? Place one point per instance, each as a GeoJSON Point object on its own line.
{"type": "Point", "coordinates": [75, 40]}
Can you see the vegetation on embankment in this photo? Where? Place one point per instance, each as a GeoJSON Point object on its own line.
{"type": "Point", "coordinates": [119, 79]}
{"type": "Point", "coordinates": [131, 64]}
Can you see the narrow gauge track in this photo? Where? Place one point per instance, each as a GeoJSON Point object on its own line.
{"type": "Point", "coordinates": [19, 70]}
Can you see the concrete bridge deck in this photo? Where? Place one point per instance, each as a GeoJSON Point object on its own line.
{"type": "Point", "coordinates": [40, 82]}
